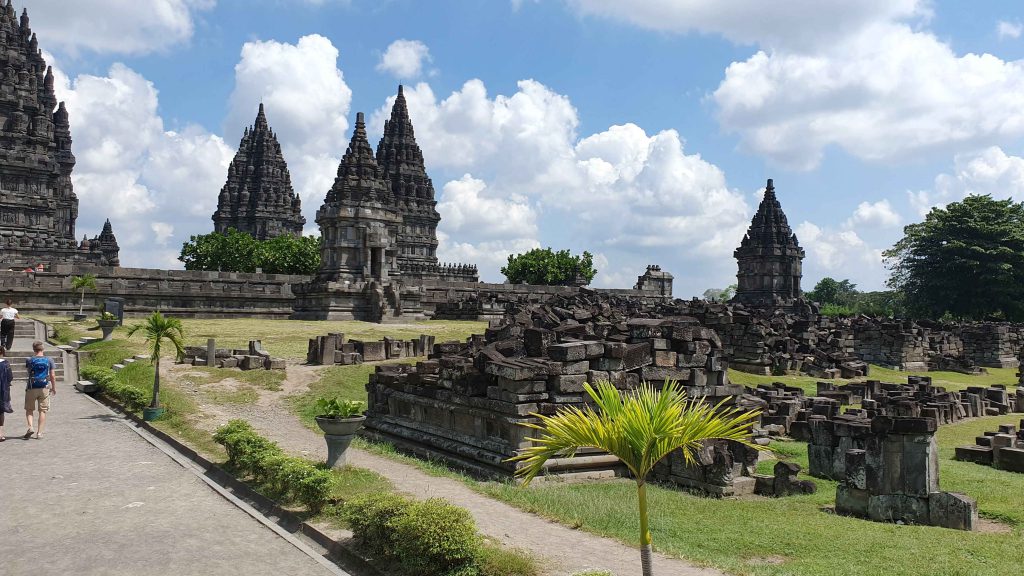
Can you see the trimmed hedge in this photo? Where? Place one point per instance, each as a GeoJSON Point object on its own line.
{"type": "Point", "coordinates": [129, 396]}
{"type": "Point", "coordinates": [287, 478]}
{"type": "Point", "coordinates": [428, 538]}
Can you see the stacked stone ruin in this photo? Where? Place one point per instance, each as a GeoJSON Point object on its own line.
{"type": "Point", "coordinates": [332, 349]}
{"type": "Point", "coordinates": [467, 404]}
{"type": "Point", "coordinates": [787, 411]}
{"type": "Point", "coordinates": [890, 472]}
{"type": "Point", "coordinates": [1002, 449]}
{"type": "Point", "coordinates": [252, 358]}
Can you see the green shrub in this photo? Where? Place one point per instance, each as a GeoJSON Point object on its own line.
{"type": "Point", "coordinates": [493, 560]}
{"type": "Point", "coordinates": [435, 537]}
{"type": "Point", "coordinates": [368, 517]}
{"type": "Point", "coordinates": [96, 374]}
{"type": "Point", "coordinates": [284, 477]}
{"type": "Point", "coordinates": [129, 396]}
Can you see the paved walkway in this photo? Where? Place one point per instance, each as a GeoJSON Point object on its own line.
{"type": "Point", "coordinates": [93, 497]}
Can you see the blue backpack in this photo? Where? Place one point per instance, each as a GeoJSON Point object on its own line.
{"type": "Point", "coordinates": [38, 371]}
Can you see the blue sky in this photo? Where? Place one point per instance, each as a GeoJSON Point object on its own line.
{"type": "Point", "coordinates": [641, 130]}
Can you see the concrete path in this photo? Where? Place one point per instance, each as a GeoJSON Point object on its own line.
{"type": "Point", "coordinates": [93, 497]}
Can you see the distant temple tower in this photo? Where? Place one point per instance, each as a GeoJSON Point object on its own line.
{"type": "Point", "coordinates": [358, 224]}
{"type": "Point", "coordinates": [258, 197]}
{"type": "Point", "coordinates": [102, 249]}
{"type": "Point", "coordinates": [769, 258]}
{"type": "Point", "coordinates": [411, 189]}
{"type": "Point", "coordinates": [38, 206]}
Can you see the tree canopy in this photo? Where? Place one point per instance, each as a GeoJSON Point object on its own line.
{"type": "Point", "coordinates": [545, 266]}
{"type": "Point", "coordinates": [965, 260]}
{"type": "Point", "coordinates": [831, 291]}
{"type": "Point", "coordinates": [237, 251]}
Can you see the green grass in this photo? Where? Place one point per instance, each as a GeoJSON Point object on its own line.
{"type": "Point", "coordinates": [342, 382]}
{"type": "Point", "coordinates": [265, 379]}
{"type": "Point", "coordinates": [282, 338]}
{"type": "Point", "coordinates": [243, 395]}
{"type": "Point", "coordinates": [950, 380]}
{"type": "Point", "coordinates": [794, 535]}
{"type": "Point", "coordinates": [497, 561]}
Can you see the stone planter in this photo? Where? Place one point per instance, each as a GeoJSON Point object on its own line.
{"type": "Point", "coordinates": [78, 317]}
{"type": "Point", "coordinates": [150, 414]}
{"type": "Point", "coordinates": [107, 326]}
{"type": "Point", "coordinates": [339, 432]}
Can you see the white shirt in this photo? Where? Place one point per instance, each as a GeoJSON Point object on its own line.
{"type": "Point", "coordinates": [9, 313]}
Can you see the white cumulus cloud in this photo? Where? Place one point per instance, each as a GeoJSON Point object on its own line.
{"type": "Point", "coordinates": [114, 26]}
{"type": "Point", "coordinates": [874, 215]}
{"type": "Point", "coordinates": [987, 171]}
{"type": "Point", "coordinates": [404, 59]}
{"type": "Point", "coordinates": [307, 103]}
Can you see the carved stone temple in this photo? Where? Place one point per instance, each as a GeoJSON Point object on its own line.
{"type": "Point", "coordinates": [258, 197]}
{"type": "Point", "coordinates": [769, 258]}
{"type": "Point", "coordinates": [378, 228]}
{"type": "Point", "coordinates": [38, 206]}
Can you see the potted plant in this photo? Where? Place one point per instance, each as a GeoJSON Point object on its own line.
{"type": "Point", "coordinates": [87, 281]}
{"type": "Point", "coordinates": [340, 420]}
{"type": "Point", "coordinates": [158, 329]}
{"type": "Point", "coordinates": [107, 322]}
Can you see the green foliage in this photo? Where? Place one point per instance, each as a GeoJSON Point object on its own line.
{"type": "Point", "coordinates": [426, 538]}
{"type": "Point", "coordinates": [239, 252]}
{"type": "Point", "coordinates": [284, 477]}
{"type": "Point", "coordinates": [831, 291]}
{"type": "Point", "coordinates": [84, 282]}
{"type": "Point", "coordinates": [335, 408]}
{"type": "Point", "coordinates": [494, 560]}
{"type": "Point", "coordinates": [720, 294]}
{"type": "Point", "coordinates": [158, 328]}
{"type": "Point", "coordinates": [104, 315]}
{"type": "Point", "coordinates": [110, 384]}
{"type": "Point", "coordinates": [547, 267]}
{"type": "Point", "coordinates": [966, 259]}
{"type": "Point", "coordinates": [836, 310]}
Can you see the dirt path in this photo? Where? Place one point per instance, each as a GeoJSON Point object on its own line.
{"type": "Point", "coordinates": [564, 551]}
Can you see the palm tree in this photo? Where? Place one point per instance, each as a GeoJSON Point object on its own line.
{"type": "Point", "coordinates": [158, 328]}
{"type": "Point", "coordinates": [81, 283]}
{"type": "Point", "coordinates": [639, 428]}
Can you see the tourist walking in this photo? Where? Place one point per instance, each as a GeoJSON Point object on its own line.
{"type": "Point", "coordinates": [6, 376]}
{"type": "Point", "coordinates": [7, 317]}
{"type": "Point", "coordinates": [41, 385]}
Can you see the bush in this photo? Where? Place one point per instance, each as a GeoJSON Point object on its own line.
{"type": "Point", "coordinates": [545, 266]}
{"type": "Point", "coordinates": [428, 538]}
{"type": "Point", "coordinates": [129, 396]}
{"type": "Point", "coordinates": [285, 477]}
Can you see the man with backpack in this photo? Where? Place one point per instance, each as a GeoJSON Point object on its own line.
{"type": "Point", "coordinates": [41, 385]}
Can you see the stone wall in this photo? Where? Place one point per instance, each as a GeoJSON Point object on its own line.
{"type": "Point", "coordinates": [181, 293]}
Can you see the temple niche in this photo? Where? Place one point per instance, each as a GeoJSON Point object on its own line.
{"type": "Point", "coordinates": [769, 258]}
{"type": "Point", "coordinates": [258, 197]}
{"type": "Point", "coordinates": [38, 205]}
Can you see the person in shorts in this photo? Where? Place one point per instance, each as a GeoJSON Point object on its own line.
{"type": "Point", "coordinates": [7, 317]}
{"type": "Point", "coordinates": [41, 385]}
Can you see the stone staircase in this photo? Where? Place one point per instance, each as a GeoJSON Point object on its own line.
{"type": "Point", "coordinates": [24, 335]}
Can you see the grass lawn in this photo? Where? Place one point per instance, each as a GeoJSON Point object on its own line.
{"type": "Point", "coordinates": [341, 382]}
{"type": "Point", "coordinates": [795, 535]}
{"type": "Point", "coordinates": [949, 380]}
{"type": "Point", "coordinates": [282, 338]}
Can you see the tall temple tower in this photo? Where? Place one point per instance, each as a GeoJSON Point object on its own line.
{"type": "Point", "coordinates": [258, 197]}
{"type": "Point", "coordinates": [411, 190]}
{"type": "Point", "coordinates": [769, 258]}
{"type": "Point", "coordinates": [359, 225]}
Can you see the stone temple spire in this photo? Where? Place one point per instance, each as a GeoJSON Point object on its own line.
{"type": "Point", "coordinates": [258, 197]}
{"type": "Point", "coordinates": [412, 190]}
{"type": "Point", "coordinates": [769, 257]}
{"type": "Point", "coordinates": [360, 179]}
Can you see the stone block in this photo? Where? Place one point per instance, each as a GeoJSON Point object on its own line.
{"type": "Point", "coordinates": [856, 469]}
{"type": "Point", "coordinates": [373, 351]}
{"type": "Point", "coordinates": [229, 362]}
{"type": "Point", "coordinates": [568, 351]}
{"type": "Point", "coordinates": [851, 501]}
{"type": "Point", "coordinates": [568, 383]}
{"type": "Point", "coordinates": [664, 358]}
{"type": "Point", "coordinates": [899, 508]}
{"type": "Point", "coordinates": [537, 341]}
{"type": "Point", "coordinates": [273, 364]}
{"type": "Point", "coordinates": [606, 363]}
{"type": "Point", "coordinates": [953, 510]}
{"type": "Point", "coordinates": [581, 367]}
{"type": "Point", "coordinates": [251, 363]}
{"type": "Point", "coordinates": [1011, 459]}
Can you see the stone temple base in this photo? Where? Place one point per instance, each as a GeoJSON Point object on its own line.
{"type": "Point", "coordinates": [366, 301]}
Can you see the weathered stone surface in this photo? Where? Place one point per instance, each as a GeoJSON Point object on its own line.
{"type": "Point", "coordinates": [953, 510]}
{"type": "Point", "coordinates": [769, 257]}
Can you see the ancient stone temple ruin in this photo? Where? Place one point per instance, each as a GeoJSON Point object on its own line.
{"type": "Point", "coordinates": [412, 193]}
{"type": "Point", "coordinates": [103, 249]}
{"type": "Point", "coordinates": [258, 197]}
{"type": "Point", "coordinates": [769, 258]}
{"type": "Point", "coordinates": [38, 206]}
{"type": "Point", "coordinates": [378, 228]}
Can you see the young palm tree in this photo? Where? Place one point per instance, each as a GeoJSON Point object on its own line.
{"type": "Point", "coordinates": [82, 283]}
{"type": "Point", "coordinates": [157, 329]}
{"type": "Point", "coordinates": [640, 428]}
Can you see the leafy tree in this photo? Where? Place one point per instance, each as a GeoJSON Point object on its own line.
{"type": "Point", "coordinates": [720, 294]}
{"type": "Point", "coordinates": [237, 251]}
{"type": "Point", "coordinates": [640, 428]}
{"type": "Point", "coordinates": [157, 329]}
{"type": "Point", "coordinates": [86, 281]}
{"type": "Point", "coordinates": [966, 259]}
{"type": "Point", "coordinates": [545, 266]}
{"type": "Point", "coordinates": [831, 291]}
